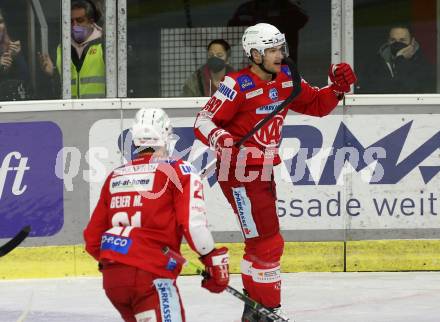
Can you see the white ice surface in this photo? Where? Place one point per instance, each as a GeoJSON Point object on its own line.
{"type": "Point", "coordinates": [314, 297]}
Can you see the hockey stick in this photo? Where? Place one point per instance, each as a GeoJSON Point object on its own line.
{"type": "Point", "coordinates": [15, 241]}
{"type": "Point", "coordinates": [296, 90]}
{"type": "Point", "coordinates": [254, 305]}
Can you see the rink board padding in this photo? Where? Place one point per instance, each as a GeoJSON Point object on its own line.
{"type": "Point", "coordinates": [367, 173]}
{"type": "Point", "coordinates": [380, 255]}
{"type": "Point", "coordinates": [393, 255]}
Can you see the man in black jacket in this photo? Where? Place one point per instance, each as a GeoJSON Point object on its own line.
{"type": "Point", "coordinates": [399, 67]}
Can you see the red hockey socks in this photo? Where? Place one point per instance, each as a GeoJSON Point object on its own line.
{"type": "Point", "coordinates": [246, 277]}
{"type": "Point", "coordinates": [266, 278]}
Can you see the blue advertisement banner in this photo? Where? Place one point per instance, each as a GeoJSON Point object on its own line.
{"type": "Point", "coordinates": [30, 192]}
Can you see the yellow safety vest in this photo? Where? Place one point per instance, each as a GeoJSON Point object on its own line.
{"type": "Point", "coordinates": [89, 81]}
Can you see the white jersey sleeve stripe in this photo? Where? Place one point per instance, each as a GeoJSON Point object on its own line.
{"type": "Point", "coordinates": [197, 222]}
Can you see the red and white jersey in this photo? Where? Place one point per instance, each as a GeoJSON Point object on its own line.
{"type": "Point", "coordinates": [243, 100]}
{"type": "Point", "coordinates": [146, 205]}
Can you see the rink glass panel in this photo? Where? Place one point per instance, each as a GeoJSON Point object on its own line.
{"type": "Point", "coordinates": [372, 21]}
{"type": "Point", "coordinates": [27, 24]}
{"type": "Point", "coordinates": [167, 40]}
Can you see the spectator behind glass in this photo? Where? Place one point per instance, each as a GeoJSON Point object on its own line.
{"type": "Point", "coordinates": [14, 74]}
{"type": "Point", "coordinates": [205, 80]}
{"type": "Point", "coordinates": [288, 15]}
{"type": "Point", "coordinates": [399, 67]}
{"type": "Point", "coordinates": [88, 64]}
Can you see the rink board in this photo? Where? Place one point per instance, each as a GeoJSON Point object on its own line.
{"type": "Point", "coordinates": [390, 180]}
{"type": "Point", "coordinates": [389, 255]}
{"type": "Point", "coordinates": [53, 163]}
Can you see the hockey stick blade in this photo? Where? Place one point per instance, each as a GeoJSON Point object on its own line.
{"type": "Point", "coordinates": [254, 305]}
{"type": "Point", "coordinates": [296, 90]}
{"type": "Point", "coordinates": [15, 241]}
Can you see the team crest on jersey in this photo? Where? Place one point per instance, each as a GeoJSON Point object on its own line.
{"type": "Point", "coordinates": [273, 94]}
{"type": "Point", "coordinates": [286, 71]}
{"type": "Point", "coordinates": [270, 134]}
{"type": "Point", "coordinates": [245, 82]}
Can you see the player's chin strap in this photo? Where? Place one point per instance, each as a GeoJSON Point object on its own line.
{"type": "Point", "coordinates": [264, 69]}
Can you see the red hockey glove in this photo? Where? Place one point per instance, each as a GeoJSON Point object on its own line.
{"type": "Point", "coordinates": [217, 269]}
{"type": "Point", "coordinates": [220, 139]}
{"type": "Point", "coordinates": [342, 77]}
{"type": "Point", "coordinates": [223, 143]}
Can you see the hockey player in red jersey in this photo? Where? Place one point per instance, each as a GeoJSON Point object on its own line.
{"type": "Point", "coordinates": [242, 100]}
{"type": "Point", "coordinates": [145, 205]}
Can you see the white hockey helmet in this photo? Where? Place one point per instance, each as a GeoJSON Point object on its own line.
{"type": "Point", "coordinates": [151, 128]}
{"type": "Point", "coordinates": [263, 36]}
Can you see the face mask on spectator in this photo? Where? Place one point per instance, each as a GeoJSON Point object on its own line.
{"type": "Point", "coordinates": [396, 46]}
{"type": "Point", "coordinates": [80, 33]}
{"type": "Point", "coordinates": [216, 64]}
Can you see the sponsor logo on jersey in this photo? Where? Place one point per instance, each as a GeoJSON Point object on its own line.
{"type": "Point", "coordinates": [164, 297]}
{"type": "Point", "coordinates": [229, 93]}
{"type": "Point", "coordinates": [286, 71]}
{"type": "Point", "coordinates": [220, 260]}
{"type": "Point", "coordinates": [169, 301]}
{"type": "Point", "coordinates": [150, 167]}
{"type": "Point", "coordinates": [131, 183]}
{"type": "Point", "coordinates": [159, 160]}
{"type": "Point", "coordinates": [287, 84]}
{"type": "Point", "coordinates": [243, 204]}
{"type": "Point", "coordinates": [273, 94]}
{"type": "Point", "coordinates": [171, 265]}
{"type": "Point", "coordinates": [245, 82]}
{"type": "Point", "coordinates": [186, 168]}
{"type": "Point", "coordinates": [266, 109]}
{"type": "Point", "coordinates": [267, 276]}
{"type": "Point", "coordinates": [115, 243]}
{"type": "Point", "coordinates": [254, 93]}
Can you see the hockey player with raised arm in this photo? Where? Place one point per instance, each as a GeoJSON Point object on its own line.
{"type": "Point", "coordinates": [245, 175]}
{"type": "Point", "coordinates": [147, 204]}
